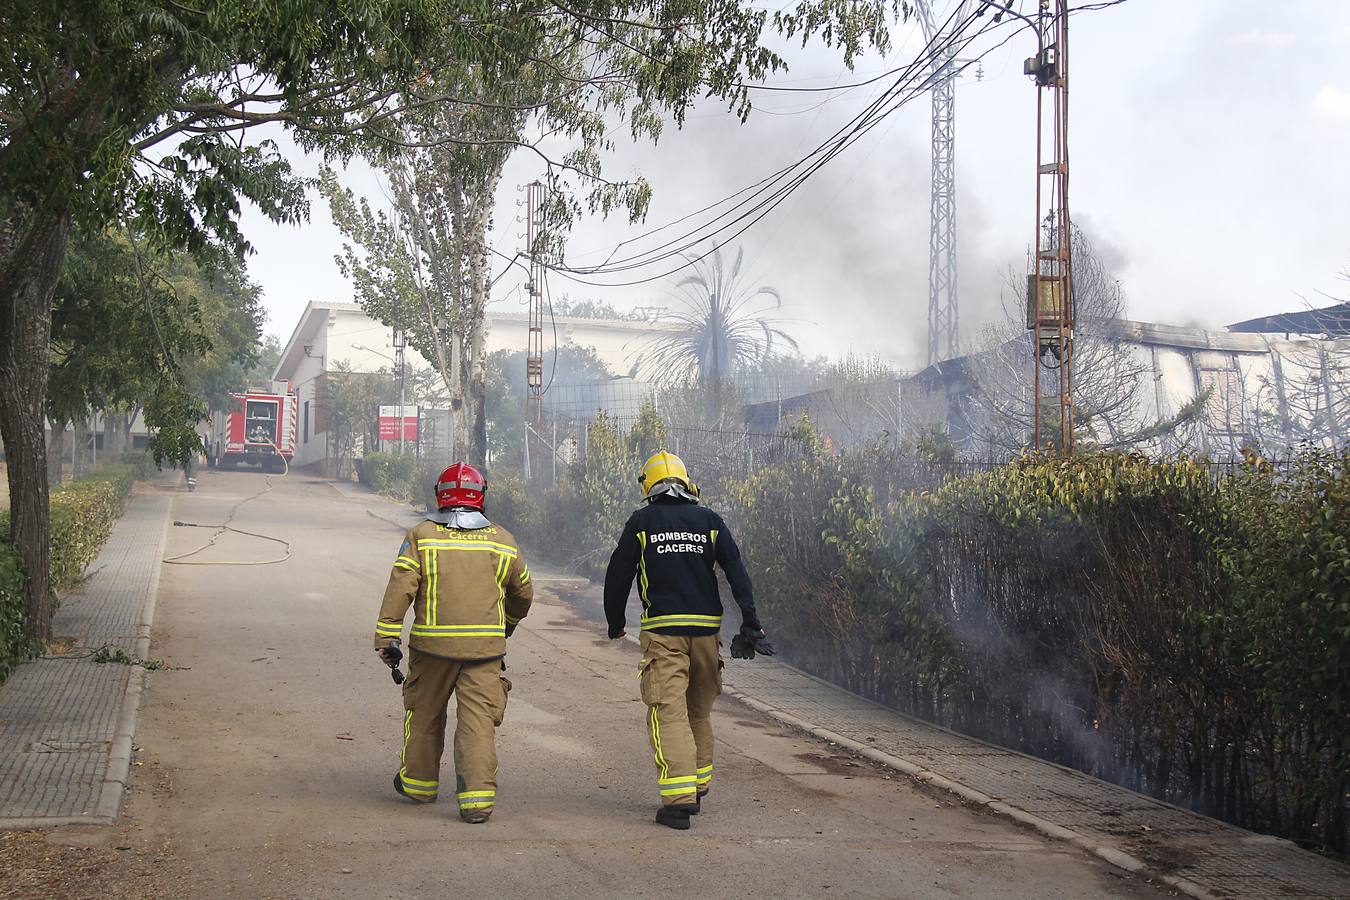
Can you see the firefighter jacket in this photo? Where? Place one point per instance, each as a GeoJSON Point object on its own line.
{"type": "Point", "coordinates": [467, 587]}
{"type": "Point", "coordinates": [674, 545]}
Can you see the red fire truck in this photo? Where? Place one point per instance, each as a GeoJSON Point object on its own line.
{"type": "Point", "coordinates": [260, 431]}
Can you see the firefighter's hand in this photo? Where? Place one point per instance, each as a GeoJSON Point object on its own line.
{"type": "Point", "coordinates": [749, 642]}
{"type": "Point", "coordinates": [391, 654]}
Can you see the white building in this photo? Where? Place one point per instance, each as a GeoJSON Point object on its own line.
{"type": "Point", "coordinates": [329, 334]}
{"type": "Point", "coordinates": [1266, 387]}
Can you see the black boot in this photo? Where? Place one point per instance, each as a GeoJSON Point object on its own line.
{"type": "Point", "coordinates": [698, 803]}
{"type": "Point", "coordinates": [398, 786]}
{"type": "Point", "coordinates": [676, 817]}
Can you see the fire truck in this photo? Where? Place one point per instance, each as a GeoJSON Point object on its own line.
{"type": "Point", "coordinates": [260, 431]}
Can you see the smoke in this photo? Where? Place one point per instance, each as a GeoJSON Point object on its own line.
{"type": "Point", "coordinates": [848, 250]}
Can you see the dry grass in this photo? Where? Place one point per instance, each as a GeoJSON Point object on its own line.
{"type": "Point", "coordinates": [32, 866]}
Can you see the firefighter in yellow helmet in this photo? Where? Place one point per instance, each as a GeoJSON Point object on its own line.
{"type": "Point", "coordinates": [469, 588]}
{"type": "Point", "coordinates": [673, 544]}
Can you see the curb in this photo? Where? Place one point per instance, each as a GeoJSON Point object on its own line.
{"type": "Point", "coordinates": [1113, 855]}
{"type": "Point", "coordinates": [119, 756]}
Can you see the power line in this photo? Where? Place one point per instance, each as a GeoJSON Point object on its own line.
{"type": "Point", "coordinates": [896, 96]}
{"type": "Point", "coordinates": [610, 264]}
{"type": "Point", "coordinates": [768, 186]}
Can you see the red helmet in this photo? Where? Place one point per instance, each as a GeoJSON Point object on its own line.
{"type": "Point", "coordinates": [461, 485]}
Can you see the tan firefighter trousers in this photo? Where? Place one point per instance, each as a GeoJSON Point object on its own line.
{"type": "Point", "coordinates": [481, 691]}
{"type": "Point", "coordinates": [680, 677]}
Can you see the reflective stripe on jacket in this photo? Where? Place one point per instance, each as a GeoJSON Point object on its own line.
{"type": "Point", "coordinates": [466, 586]}
{"type": "Point", "coordinates": [673, 547]}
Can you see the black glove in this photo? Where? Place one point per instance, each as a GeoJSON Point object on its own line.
{"type": "Point", "coordinates": [749, 642]}
{"type": "Point", "coordinates": [392, 656]}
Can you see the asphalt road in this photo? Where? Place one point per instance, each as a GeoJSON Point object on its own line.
{"type": "Point", "coordinates": [266, 759]}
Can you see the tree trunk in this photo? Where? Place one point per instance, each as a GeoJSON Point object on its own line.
{"type": "Point", "coordinates": [115, 434]}
{"type": "Point", "coordinates": [81, 435]}
{"type": "Point", "coordinates": [56, 454]}
{"type": "Point", "coordinates": [32, 250]}
{"type": "Point", "coordinates": [480, 276]}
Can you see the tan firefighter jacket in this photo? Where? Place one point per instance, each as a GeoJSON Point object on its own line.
{"type": "Point", "coordinates": [467, 587]}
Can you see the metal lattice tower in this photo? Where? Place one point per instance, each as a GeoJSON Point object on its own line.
{"type": "Point", "coordinates": [1050, 302]}
{"type": "Point", "coordinates": [943, 322]}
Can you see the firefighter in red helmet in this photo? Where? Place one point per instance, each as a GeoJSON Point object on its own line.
{"type": "Point", "coordinates": [469, 589]}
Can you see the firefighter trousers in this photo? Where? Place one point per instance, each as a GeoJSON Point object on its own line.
{"type": "Point", "coordinates": [680, 676]}
{"type": "Point", "coordinates": [481, 692]}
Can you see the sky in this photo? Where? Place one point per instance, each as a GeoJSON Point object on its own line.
{"type": "Point", "coordinates": [1210, 167]}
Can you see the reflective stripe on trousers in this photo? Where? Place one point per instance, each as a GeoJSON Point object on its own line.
{"type": "Point", "coordinates": [680, 677]}
{"type": "Point", "coordinates": [480, 693]}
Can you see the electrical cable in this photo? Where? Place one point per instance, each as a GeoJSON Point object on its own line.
{"type": "Point", "coordinates": [920, 61]}
{"type": "Point", "coordinates": [892, 99]}
{"type": "Point", "coordinates": [842, 139]}
{"type": "Point", "coordinates": [183, 559]}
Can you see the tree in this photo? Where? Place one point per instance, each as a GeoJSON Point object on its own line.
{"type": "Point", "coordinates": [568, 365]}
{"type": "Point", "coordinates": [269, 355]}
{"type": "Point", "coordinates": [134, 334]}
{"type": "Point", "coordinates": [349, 401]}
{"type": "Point", "coordinates": [721, 330]}
{"type": "Point", "coordinates": [90, 92]}
{"type": "Point", "coordinates": [1306, 398]}
{"type": "Point", "coordinates": [593, 309]}
{"type": "Point", "coordinates": [1109, 381]}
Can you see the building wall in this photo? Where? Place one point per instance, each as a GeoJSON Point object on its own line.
{"type": "Point", "coordinates": [1264, 390]}
{"type": "Point", "coordinates": [333, 334]}
{"type": "Point", "coordinates": [617, 342]}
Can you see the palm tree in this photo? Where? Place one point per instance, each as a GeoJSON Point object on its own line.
{"type": "Point", "coordinates": [720, 330]}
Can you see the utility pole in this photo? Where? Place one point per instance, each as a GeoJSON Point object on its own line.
{"type": "Point", "coordinates": [1050, 312]}
{"type": "Point", "coordinates": [943, 335]}
{"type": "Point", "coordinates": [399, 342]}
{"type": "Point", "coordinates": [534, 354]}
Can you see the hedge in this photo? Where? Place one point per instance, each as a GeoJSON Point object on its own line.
{"type": "Point", "coordinates": [395, 474]}
{"type": "Point", "coordinates": [1178, 629]}
{"type": "Point", "coordinates": [82, 516]}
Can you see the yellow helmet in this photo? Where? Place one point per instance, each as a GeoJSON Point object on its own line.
{"type": "Point", "coordinates": [664, 466]}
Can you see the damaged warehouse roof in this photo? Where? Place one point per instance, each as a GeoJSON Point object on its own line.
{"type": "Point", "coordinates": [1332, 321]}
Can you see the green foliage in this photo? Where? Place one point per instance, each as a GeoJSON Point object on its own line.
{"type": "Point", "coordinates": [1182, 633]}
{"type": "Point", "coordinates": [510, 504]}
{"type": "Point", "coordinates": [153, 332]}
{"type": "Point", "coordinates": [395, 474]}
{"type": "Point", "coordinates": [568, 365]}
{"type": "Point", "coordinates": [350, 403]}
{"type": "Point", "coordinates": [82, 515]}
{"type": "Point", "coordinates": [719, 329]}
{"type": "Point", "coordinates": [15, 644]}
{"type": "Point", "coordinates": [592, 309]}
{"type": "Point", "coordinates": [595, 497]}
{"type": "Point", "coordinates": [117, 656]}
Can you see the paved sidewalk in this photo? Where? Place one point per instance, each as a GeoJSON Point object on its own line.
{"type": "Point", "coordinates": [1200, 856]}
{"type": "Point", "coordinates": [67, 722]}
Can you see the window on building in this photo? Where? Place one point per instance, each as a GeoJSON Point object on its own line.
{"type": "Point", "coordinates": [306, 422]}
